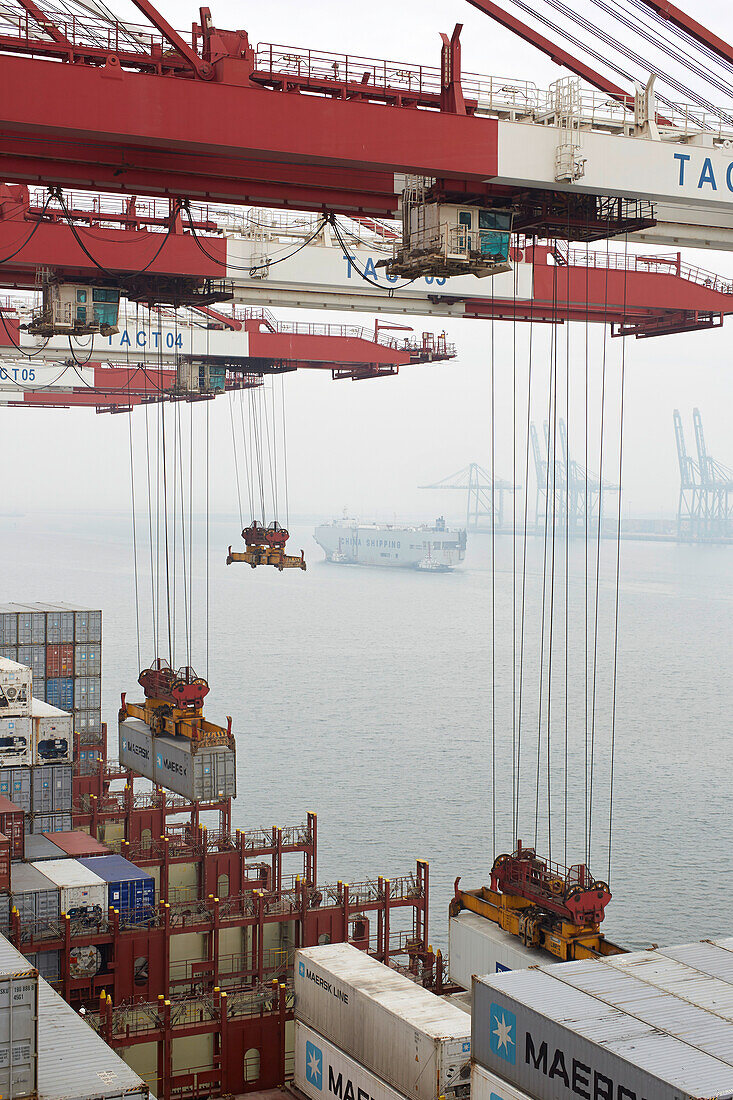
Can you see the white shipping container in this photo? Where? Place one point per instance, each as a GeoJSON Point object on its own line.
{"type": "Point", "coordinates": [16, 689]}
{"type": "Point", "coordinates": [489, 1086]}
{"type": "Point", "coordinates": [478, 946]}
{"type": "Point", "coordinates": [416, 1042]}
{"type": "Point", "coordinates": [321, 1069]}
{"type": "Point", "coordinates": [74, 1063]}
{"type": "Point", "coordinates": [18, 1023]}
{"type": "Point", "coordinates": [53, 733]}
{"type": "Point", "coordinates": [81, 891]}
{"type": "Point", "coordinates": [656, 1024]}
{"type": "Point", "coordinates": [16, 742]}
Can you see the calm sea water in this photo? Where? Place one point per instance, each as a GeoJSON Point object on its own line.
{"type": "Point", "coordinates": [366, 695]}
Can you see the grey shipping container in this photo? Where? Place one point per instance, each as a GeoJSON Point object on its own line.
{"type": "Point", "coordinates": [18, 1023]}
{"type": "Point", "coordinates": [8, 627]}
{"type": "Point", "coordinates": [479, 946]}
{"type": "Point", "coordinates": [48, 823]}
{"type": "Point", "coordinates": [34, 657]}
{"type": "Point", "coordinates": [34, 896]}
{"type": "Point", "coordinates": [88, 721]}
{"type": "Point", "coordinates": [9, 652]}
{"type": "Point", "coordinates": [74, 1063]}
{"type": "Point", "coordinates": [653, 1024]}
{"type": "Point", "coordinates": [87, 626]}
{"type": "Point", "coordinates": [5, 914]}
{"type": "Point", "coordinates": [322, 1069]}
{"type": "Point", "coordinates": [15, 784]}
{"type": "Point", "coordinates": [39, 847]}
{"type": "Point", "coordinates": [59, 627]}
{"type": "Point", "coordinates": [51, 788]}
{"type": "Point", "coordinates": [488, 1086]}
{"type": "Point", "coordinates": [31, 627]}
{"type": "Point", "coordinates": [418, 1043]}
{"type": "Point", "coordinates": [199, 773]}
{"type": "Point", "coordinates": [87, 693]}
{"type": "Point", "coordinates": [47, 963]}
{"type": "Point", "coordinates": [88, 659]}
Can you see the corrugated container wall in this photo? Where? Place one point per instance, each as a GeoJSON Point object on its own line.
{"type": "Point", "coordinates": [81, 891]}
{"type": "Point", "coordinates": [130, 890]}
{"type": "Point", "coordinates": [15, 784]}
{"type": "Point", "coordinates": [74, 1063]}
{"type": "Point", "coordinates": [47, 823]}
{"type": "Point", "coordinates": [60, 692]}
{"type": "Point", "coordinates": [18, 1024]}
{"type": "Point", "coordinates": [204, 775]}
{"type": "Point", "coordinates": [34, 896]}
{"type": "Point", "coordinates": [321, 1069]}
{"type": "Point", "coordinates": [53, 734]}
{"type": "Point", "coordinates": [16, 742]}
{"type": "Point", "coordinates": [4, 864]}
{"type": "Point", "coordinates": [16, 688]}
{"type": "Point", "coordinates": [88, 659]}
{"type": "Point", "coordinates": [478, 946]}
{"type": "Point", "coordinates": [416, 1042]}
{"type": "Point", "coordinates": [489, 1086]}
{"type": "Point", "coordinates": [34, 658]}
{"type": "Point", "coordinates": [11, 825]}
{"type": "Point", "coordinates": [60, 659]}
{"type": "Point", "coordinates": [652, 1024]}
{"type": "Point", "coordinates": [51, 788]}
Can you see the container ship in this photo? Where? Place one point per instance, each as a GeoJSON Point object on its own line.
{"type": "Point", "coordinates": [436, 549]}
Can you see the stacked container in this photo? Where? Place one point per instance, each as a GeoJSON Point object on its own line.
{"type": "Point", "coordinates": [34, 896]}
{"type": "Point", "coordinates": [411, 1040]}
{"type": "Point", "coordinates": [53, 734]}
{"type": "Point", "coordinates": [82, 893]}
{"type": "Point", "coordinates": [51, 795]}
{"type": "Point", "coordinates": [130, 891]}
{"type": "Point", "coordinates": [18, 1024]}
{"type": "Point", "coordinates": [62, 645]}
{"type": "Point", "coordinates": [12, 826]}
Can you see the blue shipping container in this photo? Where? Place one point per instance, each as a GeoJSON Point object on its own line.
{"type": "Point", "coordinates": [60, 692]}
{"type": "Point", "coordinates": [130, 890]}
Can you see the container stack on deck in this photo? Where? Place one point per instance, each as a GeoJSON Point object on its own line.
{"type": "Point", "coordinates": [177, 938]}
{"type": "Point", "coordinates": [360, 1023]}
{"type": "Point", "coordinates": [655, 1023]}
{"type": "Point", "coordinates": [62, 646]}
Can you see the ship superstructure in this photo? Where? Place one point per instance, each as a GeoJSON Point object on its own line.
{"type": "Point", "coordinates": [436, 548]}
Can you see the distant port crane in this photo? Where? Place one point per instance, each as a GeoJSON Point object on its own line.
{"type": "Point", "coordinates": [484, 494]}
{"type": "Point", "coordinates": [574, 489]}
{"type": "Point", "coordinates": [705, 507]}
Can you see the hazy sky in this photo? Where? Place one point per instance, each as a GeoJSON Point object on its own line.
{"type": "Point", "coordinates": [367, 446]}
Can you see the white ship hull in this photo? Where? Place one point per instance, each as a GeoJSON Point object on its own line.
{"type": "Point", "coordinates": [430, 549]}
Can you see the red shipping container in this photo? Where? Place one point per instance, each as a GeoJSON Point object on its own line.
{"type": "Point", "coordinates": [59, 660]}
{"type": "Point", "coordinates": [4, 863]}
{"type": "Point", "coordinates": [12, 827]}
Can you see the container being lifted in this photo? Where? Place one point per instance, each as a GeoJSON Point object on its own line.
{"type": "Point", "coordinates": [478, 946]}
{"type": "Point", "coordinates": [417, 1043]}
{"type": "Point", "coordinates": [196, 770]}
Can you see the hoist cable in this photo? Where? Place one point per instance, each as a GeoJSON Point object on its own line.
{"type": "Point", "coordinates": [285, 452]}
{"type": "Point", "coordinates": [568, 469]}
{"type": "Point", "coordinates": [236, 461]}
{"type": "Point", "coordinates": [150, 533]}
{"type": "Point", "coordinates": [594, 680]}
{"type": "Point", "coordinates": [553, 538]}
{"type": "Point", "coordinates": [134, 539]}
{"type": "Point", "coordinates": [544, 600]}
{"type": "Point", "coordinates": [493, 583]}
{"type": "Point", "coordinates": [515, 272]}
{"type": "Point", "coordinates": [247, 464]}
{"type": "Point", "coordinates": [618, 574]}
{"type": "Point", "coordinates": [165, 528]}
{"type": "Point", "coordinates": [515, 830]}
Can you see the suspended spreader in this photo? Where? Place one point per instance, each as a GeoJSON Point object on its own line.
{"type": "Point", "coordinates": [266, 546]}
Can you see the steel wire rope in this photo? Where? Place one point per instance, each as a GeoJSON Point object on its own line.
{"type": "Point", "coordinates": [514, 543]}
{"type": "Point", "coordinates": [186, 624]}
{"type": "Point", "coordinates": [524, 554]}
{"type": "Point", "coordinates": [580, 45]}
{"type": "Point", "coordinates": [171, 651]}
{"type": "Point", "coordinates": [123, 279]}
{"type": "Point", "coordinates": [250, 269]}
{"type": "Point", "coordinates": [250, 489]}
{"type": "Point", "coordinates": [567, 552]}
{"type": "Point", "coordinates": [675, 53]}
{"type": "Point", "coordinates": [150, 517]}
{"type": "Point", "coordinates": [618, 573]}
{"type": "Point", "coordinates": [493, 578]}
{"type": "Point", "coordinates": [683, 36]}
{"type": "Point", "coordinates": [544, 586]}
{"type": "Point", "coordinates": [553, 539]}
{"type": "Point", "coordinates": [190, 519]}
{"type": "Point", "coordinates": [208, 512]}
{"type": "Point", "coordinates": [270, 448]}
{"type": "Point", "coordinates": [594, 680]}
{"type": "Point", "coordinates": [134, 534]}
{"type": "Point", "coordinates": [236, 462]}
{"type": "Point", "coordinates": [390, 290]}
{"type": "Point", "coordinates": [285, 452]}
{"type": "Point", "coordinates": [586, 728]}
{"type": "Point", "coordinates": [29, 238]}
{"type": "Point", "coordinates": [174, 526]}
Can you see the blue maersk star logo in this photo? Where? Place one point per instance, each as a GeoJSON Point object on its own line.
{"type": "Point", "coordinates": [301, 968]}
{"type": "Point", "coordinates": [313, 1065]}
{"type": "Point", "coordinates": [503, 1033]}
